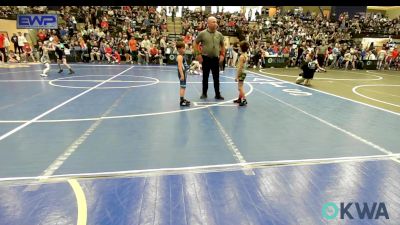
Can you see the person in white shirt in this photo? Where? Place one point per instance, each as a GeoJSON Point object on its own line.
{"type": "Point", "coordinates": [335, 55]}
{"type": "Point", "coordinates": [45, 59]}
{"type": "Point", "coordinates": [146, 44]}
{"type": "Point", "coordinates": [163, 48]}
{"type": "Point", "coordinates": [163, 44]}
{"type": "Point", "coordinates": [21, 41]}
{"type": "Point", "coordinates": [371, 56]}
{"type": "Point", "coordinates": [347, 59]}
{"type": "Point", "coordinates": [101, 34]}
{"type": "Point", "coordinates": [249, 15]}
{"type": "Point", "coordinates": [381, 58]}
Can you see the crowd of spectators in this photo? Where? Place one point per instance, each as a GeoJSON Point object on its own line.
{"type": "Point", "coordinates": [86, 31]}
{"type": "Point", "coordinates": [294, 33]}
{"type": "Point", "coordinates": [139, 34]}
{"type": "Point", "coordinates": [10, 12]}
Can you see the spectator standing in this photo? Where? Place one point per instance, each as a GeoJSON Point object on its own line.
{"type": "Point", "coordinates": [14, 40]}
{"type": "Point", "coordinates": [133, 49]}
{"type": "Point", "coordinates": [21, 42]}
{"type": "Point", "coordinates": [2, 48]}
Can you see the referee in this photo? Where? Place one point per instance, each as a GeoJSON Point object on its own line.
{"type": "Point", "coordinates": [210, 54]}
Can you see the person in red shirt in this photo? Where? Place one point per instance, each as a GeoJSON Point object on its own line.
{"type": "Point", "coordinates": [104, 24]}
{"type": "Point", "coordinates": [28, 52]}
{"type": "Point", "coordinates": [117, 57]}
{"type": "Point", "coordinates": [2, 48]}
{"type": "Point", "coordinates": [275, 48]}
{"type": "Point", "coordinates": [395, 59]}
{"type": "Point", "coordinates": [395, 53]}
{"type": "Point", "coordinates": [285, 50]}
{"type": "Point", "coordinates": [154, 54]}
{"type": "Point", "coordinates": [41, 35]}
{"type": "Point", "coordinates": [108, 50]}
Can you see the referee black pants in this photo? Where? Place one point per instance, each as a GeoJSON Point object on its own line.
{"type": "Point", "coordinates": [211, 63]}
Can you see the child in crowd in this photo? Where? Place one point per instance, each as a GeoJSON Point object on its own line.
{"type": "Point", "coordinates": [45, 59]}
{"type": "Point", "coordinates": [13, 58]}
{"type": "Point", "coordinates": [309, 67]}
{"type": "Point", "coordinates": [195, 67]}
